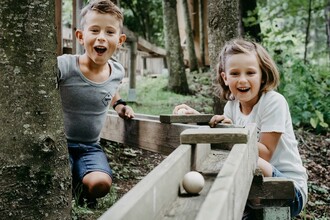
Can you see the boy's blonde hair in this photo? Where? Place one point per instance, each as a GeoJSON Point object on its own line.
{"type": "Point", "coordinates": [103, 7]}
{"type": "Point", "coordinates": [270, 75]}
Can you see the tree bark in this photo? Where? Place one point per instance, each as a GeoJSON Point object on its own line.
{"type": "Point", "coordinates": [35, 177]}
{"type": "Point", "coordinates": [193, 63]}
{"type": "Point", "coordinates": [177, 77]}
{"type": "Point", "coordinates": [223, 25]}
{"type": "Point", "coordinates": [307, 30]}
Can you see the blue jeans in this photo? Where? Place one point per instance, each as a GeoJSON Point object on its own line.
{"type": "Point", "coordinates": [86, 158]}
{"type": "Point", "coordinates": [297, 203]}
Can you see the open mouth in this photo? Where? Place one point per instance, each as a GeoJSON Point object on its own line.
{"type": "Point", "coordinates": [243, 89]}
{"type": "Point", "coordinates": [100, 50]}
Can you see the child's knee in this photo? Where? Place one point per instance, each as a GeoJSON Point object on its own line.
{"type": "Point", "coordinates": [265, 167]}
{"type": "Point", "coordinates": [98, 184]}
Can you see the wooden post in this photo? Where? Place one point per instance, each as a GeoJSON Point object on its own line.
{"type": "Point", "coordinates": [76, 8]}
{"type": "Point", "coordinates": [58, 23]}
{"type": "Point", "coordinates": [132, 73]}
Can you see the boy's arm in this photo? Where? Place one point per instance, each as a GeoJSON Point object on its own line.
{"type": "Point", "coordinates": [120, 106]}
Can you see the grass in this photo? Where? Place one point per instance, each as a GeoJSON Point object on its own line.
{"type": "Point", "coordinates": [154, 99]}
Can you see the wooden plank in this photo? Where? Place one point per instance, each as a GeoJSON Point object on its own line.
{"type": "Point", "coordinates": [154, 192]}
{"type": "Point", "coordinates": [145, 133]}
{"type": "Point", "coordinates": [273, 188]}
{"type": "Point", "coordinates": [198, 118]}
{"type": "Point", "coordinates": [151, 48]}
{"type": "Point", "coordinates": [214, 135]}
{"type": "Point", "coordinates": [229, 192]}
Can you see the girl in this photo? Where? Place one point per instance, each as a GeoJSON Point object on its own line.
{"type": "Point", "coordinates": [248, 77]}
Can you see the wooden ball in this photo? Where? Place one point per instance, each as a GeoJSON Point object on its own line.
{"type": "Point", "coordinates": [193, 182]}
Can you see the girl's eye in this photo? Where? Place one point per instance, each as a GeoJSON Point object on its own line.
{"type": "Point", "coordinates": [233, 73]}
{"type": "Point", "coordinates": [251, 73]}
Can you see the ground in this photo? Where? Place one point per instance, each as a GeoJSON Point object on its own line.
{"type": "Point", "coordinates": [131, 164]}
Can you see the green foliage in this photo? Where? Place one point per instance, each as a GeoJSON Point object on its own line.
{"type": "Point", "coordinates": [305, 84]}
{"type": "Point", "coordinates": [145, 18]}
{"type": "Point", "coordinates": [306, 88]}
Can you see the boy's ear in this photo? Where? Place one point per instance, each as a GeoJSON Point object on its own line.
{"type": "Point", "coordinates": [122, 39]}
{"type": "Point", "coordinates": [80, 36]}
{"type": "Point", "coordinates": [224, 77]}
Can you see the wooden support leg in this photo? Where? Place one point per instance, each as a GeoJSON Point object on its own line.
{"type": "Point", "coordinates": [274, 213]}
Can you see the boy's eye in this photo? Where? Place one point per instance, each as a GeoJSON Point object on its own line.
{"type": "Point", "coordinates": [94, 30]}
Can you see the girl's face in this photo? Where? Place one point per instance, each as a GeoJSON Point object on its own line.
{"type": "Point", "coordinates": [101, 36]}
{"type": "Point", "coordinates": [243, 76]}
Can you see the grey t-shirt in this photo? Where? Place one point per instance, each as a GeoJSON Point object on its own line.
{"type": "Point", "coordinates": [85, 103]}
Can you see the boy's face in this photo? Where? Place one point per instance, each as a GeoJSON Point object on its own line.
{"type": "Point", "coordinates": [101, 36]}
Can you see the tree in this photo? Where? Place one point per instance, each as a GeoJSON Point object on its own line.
{"type": "Point", "coordinates": [177, 77]}
{"type": "Point", "coordinates": [223, 20]}
{"type": "Point", "coordinates": [193, 64]}
{"type": "Point", "coordinates": [250, 26]}
{"type": "Point", "coordinates": [35, 176]}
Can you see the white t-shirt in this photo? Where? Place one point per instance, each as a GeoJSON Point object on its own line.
{"type": "Point", "coordinates": [271, 114]}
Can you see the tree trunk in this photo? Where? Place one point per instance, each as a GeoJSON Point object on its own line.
{"type": "Point", "coordinates": [327, 16]}
{"type": "Point", "coordinates": [193, 63]}
{"type": "Point", "coordinates": [177, 77]}
{"type": "Point", "coordinates": [201, 32]}
{"type": "Point", "coordinates": [35, 177]}
{"type": "Point", "coordinates": [223, 20]}
{"type": "Point", "coordinates": [252, 30]}
{"type": "Point", "coordinates": [307, 30]}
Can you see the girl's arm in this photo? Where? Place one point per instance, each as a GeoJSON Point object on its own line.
{"type": "Point", "coordinates": [267, 144]}
{"type": "Point", "coordinates": [186, 109]}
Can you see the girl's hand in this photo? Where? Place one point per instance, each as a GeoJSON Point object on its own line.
{"type": "Point", "coordinates": [216, 119]}
{"type": "Point", "coordinates": [125, 111]}
{"type": "Point", "coordinates": [184, 109]}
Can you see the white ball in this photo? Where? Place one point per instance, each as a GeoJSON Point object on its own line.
{"type": "Point", "coordinates": [193, 182]}
{"type": "Point", "coordinates": [182, 111]}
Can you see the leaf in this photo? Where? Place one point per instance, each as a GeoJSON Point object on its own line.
{"type": "Point", "coordinates": [313, 122]}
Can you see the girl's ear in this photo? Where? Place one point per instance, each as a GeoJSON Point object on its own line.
{"type": "Point", "coordinates": [224, 77]}
{"type": "Point", "coordinates": [80, 36]}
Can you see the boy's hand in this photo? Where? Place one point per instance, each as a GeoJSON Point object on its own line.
{"type": "Point", "coordinates": [125, 111]}
{"type": "Point", "coordinates": [216, 119]}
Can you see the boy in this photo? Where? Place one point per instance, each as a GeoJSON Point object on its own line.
{"type": "Point", "coordinates": [88, 84]}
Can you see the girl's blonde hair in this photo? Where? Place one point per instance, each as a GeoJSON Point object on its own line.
{"type": "Point", "coordinates": [270, 75]}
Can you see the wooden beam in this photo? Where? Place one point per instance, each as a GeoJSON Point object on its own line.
{"type": "Point", "coordinates": [145, 133]}
{"type": "Point", "coordinates": [214, 135]}
{"type": "Point", "coordinates": [154, 192]}
{"type": "Point", "coordinates": [229, 192]}
{"type": "Point", "coordinates": [198, 118]}
{"type": "Point", "coordinates": [273, 188]}
{"type": "Point", "coordinates": [151, 48]}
